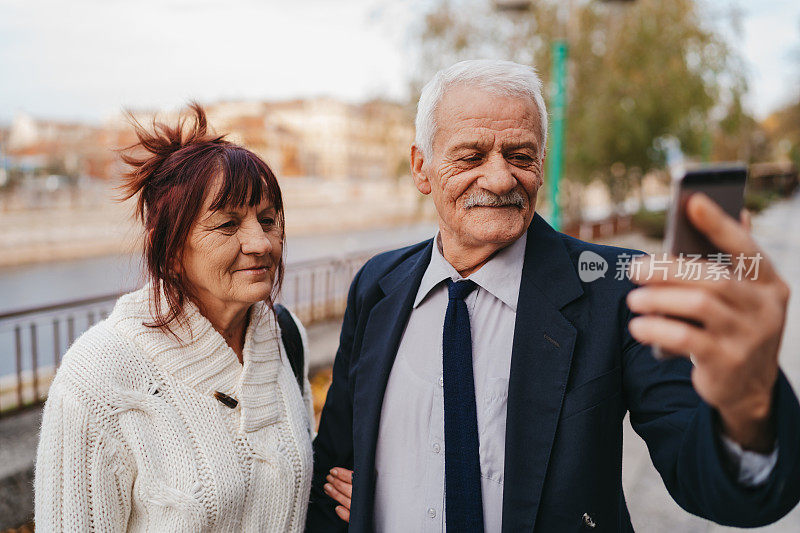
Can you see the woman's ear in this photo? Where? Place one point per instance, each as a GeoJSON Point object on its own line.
{"type": "Point", "coordinates": [417, 162]}
{"type": "Point", "coordinates": [177, 265]}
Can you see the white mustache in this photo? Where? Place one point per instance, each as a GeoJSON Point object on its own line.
{"type": "Point", "coordinates": [489, 199]}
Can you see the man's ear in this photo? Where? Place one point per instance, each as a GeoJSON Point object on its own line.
{"type": "Point", "coordinates": [420, 180]}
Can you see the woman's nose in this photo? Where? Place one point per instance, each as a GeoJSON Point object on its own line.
{"type": "Point", "coordinates": [253, 239]}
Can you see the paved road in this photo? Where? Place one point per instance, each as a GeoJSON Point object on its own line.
{"type": "Point", "coordinates": [652, 509]}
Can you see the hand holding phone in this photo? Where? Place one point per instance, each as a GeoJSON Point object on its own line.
{"type": "Point", "coordinates": [741, 321]}
{"type": "Point", "coordinates": [724, 184]}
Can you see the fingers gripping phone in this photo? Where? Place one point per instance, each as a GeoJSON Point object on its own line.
{"type": "Point", "coordinates": [724, 184]}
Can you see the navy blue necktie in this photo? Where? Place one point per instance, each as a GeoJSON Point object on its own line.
{"type": "Point", "coordinates": [462, 466]}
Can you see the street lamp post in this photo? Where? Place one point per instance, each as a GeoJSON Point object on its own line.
{"type": "Point", "coordinates": [558, 120]}
{"type": "Point", "coordinates": [558, 101]}
{"type": "Point", "coordinates": [558, 97]}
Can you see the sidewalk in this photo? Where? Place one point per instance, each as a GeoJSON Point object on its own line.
{"type": "Point", "coordinates": [19, 435]}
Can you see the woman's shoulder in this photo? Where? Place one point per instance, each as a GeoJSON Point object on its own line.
{"type": "Point", "coordinates": [107, 354]}
{"type": "Point", "coordinates": [97, 376]}
{"type": "Point", "coordinates": [101, 355]}
{"type": "Point", "coordinates": [132, 310]}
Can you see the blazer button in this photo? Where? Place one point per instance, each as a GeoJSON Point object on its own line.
{"type": "Point", "coordinates": [588, 521]}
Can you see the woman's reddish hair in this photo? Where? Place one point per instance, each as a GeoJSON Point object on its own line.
{"type": "Point", "coordinates": [171, 169]}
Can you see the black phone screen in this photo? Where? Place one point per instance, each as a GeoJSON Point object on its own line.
{"type": "Point", "coordinates": [724, 185]}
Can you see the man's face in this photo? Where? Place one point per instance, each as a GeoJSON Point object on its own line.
{"type": "Point", "coordinates": [486, 166]}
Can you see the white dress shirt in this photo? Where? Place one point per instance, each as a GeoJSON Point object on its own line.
{"type": "Point", "coordinates": [409, 458]}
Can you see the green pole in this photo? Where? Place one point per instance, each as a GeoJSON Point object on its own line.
{"type": "Point", "coordinates": [708, 146]}
{"type": "Point", "coordinates": [558, 113]}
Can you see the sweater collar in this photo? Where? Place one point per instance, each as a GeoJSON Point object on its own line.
{"type": "Point", "coordinates": [198, 355]}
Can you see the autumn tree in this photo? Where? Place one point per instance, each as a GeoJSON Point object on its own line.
{"type": "Point", "coordinates": [783, 126]}
{"type": "Point", "coordinates": [638, 72]}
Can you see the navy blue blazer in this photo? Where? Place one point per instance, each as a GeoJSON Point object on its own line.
{"type": "Point", "coordinates": [575, 371]}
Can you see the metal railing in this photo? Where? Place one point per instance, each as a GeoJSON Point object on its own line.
{"type": "Point", "coordinates": [589, 230]}
{"type": "Point", "coordinates": [34, 339]}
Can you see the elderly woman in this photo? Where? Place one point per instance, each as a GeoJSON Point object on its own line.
{"type": "Point", "coordinates": [180, 411]}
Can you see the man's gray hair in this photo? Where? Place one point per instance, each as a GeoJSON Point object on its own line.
{"type": "Point", "coordinates": [500, 77]}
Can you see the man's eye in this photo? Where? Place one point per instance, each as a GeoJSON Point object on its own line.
{"type": "Point", "coordinates": [521, 158]}
{"type": "Point", "coordinates": [471, 158]}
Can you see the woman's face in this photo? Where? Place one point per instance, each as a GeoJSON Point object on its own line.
{"type": "Point", "coordinates": [232, 255]}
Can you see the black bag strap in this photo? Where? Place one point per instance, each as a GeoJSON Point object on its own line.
{"type": "Point", "coordinates": [290, 336]}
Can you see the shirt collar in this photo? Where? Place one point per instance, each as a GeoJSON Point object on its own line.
{"type": "Point", "coordinates": [500, 276]}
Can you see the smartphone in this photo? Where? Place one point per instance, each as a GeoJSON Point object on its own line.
{"type": "Point", "coordinates": [724, 184]}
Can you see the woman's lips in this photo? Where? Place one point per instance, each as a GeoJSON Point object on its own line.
{"type": "Point", "coordinates": [255, 271]}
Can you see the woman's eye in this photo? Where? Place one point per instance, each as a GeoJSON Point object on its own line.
{"type": "Point", "coordinates": [267, 221]}
{"type": "Point", "coordinates": [226, 225]}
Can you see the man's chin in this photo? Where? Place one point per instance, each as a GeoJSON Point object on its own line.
{"type": "Point", "coordinates": [499, 235]}
{"type": "Point", "coordinates": [498, 229]}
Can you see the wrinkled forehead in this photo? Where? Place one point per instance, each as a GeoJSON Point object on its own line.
{"type": "Point", "coordinates": [469, 112]}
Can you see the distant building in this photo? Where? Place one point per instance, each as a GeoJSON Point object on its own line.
{"type": "Point", "coordinates": [317, 137]}
{"type": "Point", "coordinates": [339, 140]}
{"type": "Point", "coordinates": [68, 148]}
{"type": "Point", "coordinates": [248, 124]}
{"type": "Point", "coordinates": [322, 137]}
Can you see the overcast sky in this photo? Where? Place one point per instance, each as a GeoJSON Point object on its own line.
{"type": "Point", "coordinates": [87, 59]}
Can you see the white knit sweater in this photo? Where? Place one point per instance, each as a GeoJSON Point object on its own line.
{"type": "Point", "coordinates": [133, 438]}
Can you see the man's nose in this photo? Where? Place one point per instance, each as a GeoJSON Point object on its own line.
{"type": "Point", "coordinates": [253, 239]}
{"type": "Point", "coordinates": [498, 177]}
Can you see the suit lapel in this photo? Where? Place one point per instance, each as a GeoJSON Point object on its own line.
{"type": "Point", "coordinates": [382, 335]}
{"type": "Point", "coordinates": [540, 362]}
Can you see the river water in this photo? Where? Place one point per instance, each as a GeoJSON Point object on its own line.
{"type": "Point", "coordinates": [51, 283]}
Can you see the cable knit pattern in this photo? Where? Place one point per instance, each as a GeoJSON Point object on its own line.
{"type": "Point", "coordinates": [133, 439]}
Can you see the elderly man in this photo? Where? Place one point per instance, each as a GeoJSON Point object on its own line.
{"type": "Point", "coordinates": [480, 385]}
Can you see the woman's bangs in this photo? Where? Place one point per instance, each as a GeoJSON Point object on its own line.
{"type": "Point", "coordinates": [246, 180]}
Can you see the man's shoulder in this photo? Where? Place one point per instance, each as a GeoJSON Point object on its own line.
{"type": "Point", "coordinates": [382, 264]}
{"type": "Point", "coordinates": [575, 247]}
{"type": "Point", "coordinates": [616, 258]}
